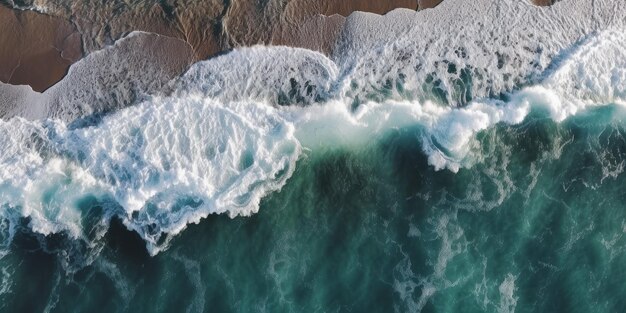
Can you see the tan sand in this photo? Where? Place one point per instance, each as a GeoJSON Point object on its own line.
{"type": "Point", "coordinates": [318, 33]}
{"type": "Point", "coordinates": [427, 4]}
{"type": "Point", "coordinates": [41, 47]}
{"type": "Point", "coordinates": [37, 49]}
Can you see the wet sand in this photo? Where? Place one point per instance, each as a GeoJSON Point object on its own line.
{"type": "Point", "coordinates": [39, 48]}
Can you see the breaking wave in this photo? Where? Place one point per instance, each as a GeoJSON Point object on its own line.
{"type": "Point", "coordinates": [235, 127]}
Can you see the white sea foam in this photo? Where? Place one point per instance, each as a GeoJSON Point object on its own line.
{"type": "Point", "coordinates": [5, 281]}
{"type": "Point", "coordinates": [508, 300]}
{"type": "Point", "coordinates": [465, 50]}
{"type": "Point", "coordinates": [221, 142]}
{"type": "Point", "coordinates": [591, 74]}
{"type": "Point", "coordinates": [276, 75]}
{"type": "Point", "coordinates": [171, 161]}
{"type": "Point", "coordinates": [168, 163]}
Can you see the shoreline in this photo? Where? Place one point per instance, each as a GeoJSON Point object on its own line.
{"type": "Point", "coordinates": [49, 43]}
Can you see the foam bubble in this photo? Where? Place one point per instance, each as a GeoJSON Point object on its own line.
{"type": "Point", "coordinates": [168, 163]}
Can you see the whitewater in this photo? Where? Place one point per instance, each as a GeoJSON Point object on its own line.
{"type": "Point", "coordinates": [174, 160]}
{"type": "Point", "coordinates": [238, 128]}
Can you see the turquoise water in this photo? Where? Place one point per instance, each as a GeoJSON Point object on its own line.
{"type": "Point", "coordinates": [537, 224]}
{"type": "Point", "coordinates": [476, 171]}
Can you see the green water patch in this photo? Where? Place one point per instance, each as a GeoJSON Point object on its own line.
{"type": "Point", "coordinates": [536, 225]}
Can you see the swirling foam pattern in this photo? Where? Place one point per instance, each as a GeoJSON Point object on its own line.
{"type": "Point", "coordinates": [487, 104]}
{"type": "Point", "coordinates": [173, 160]}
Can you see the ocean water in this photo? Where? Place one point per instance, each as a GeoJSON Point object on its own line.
{"type": "Point", "coordinates": [395, 179]}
